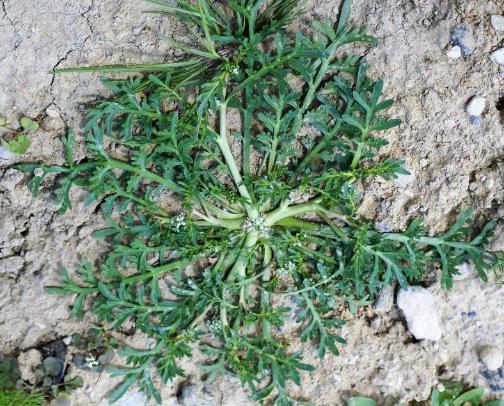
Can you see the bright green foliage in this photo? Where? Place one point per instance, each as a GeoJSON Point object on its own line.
{"type": "Point", "coordinates": [19, 145]}
{"type": "Point", "coordinates": [21, 398]}
{"type": "Point", "coordinates": [21, 142]}
{"type": "Point", "coordinates": [267, 209]}
{"type": "Point", "coordinates": [446, 394]}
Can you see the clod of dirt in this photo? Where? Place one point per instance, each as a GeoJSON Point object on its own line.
{"type": "Point", "coordinates": [28, 361]}
{"type": "Point", "coordinates": [420, 311]}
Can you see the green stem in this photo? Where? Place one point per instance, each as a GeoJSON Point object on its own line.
{"type": "Point", "coordinates": [282, 212]}
{"type": "Point", "coordinates": [223, 144]}
{"type": "Point", "coordinates": [265, 295]}
{"type": "Point", "coordinates": [274, 144]}
{"type": "Point", "coordinates": [358, 154]}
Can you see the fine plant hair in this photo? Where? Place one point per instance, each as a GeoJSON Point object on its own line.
{"type": "Point", "coordinates": [266, 205]}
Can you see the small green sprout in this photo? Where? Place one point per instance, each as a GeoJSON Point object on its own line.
{"type": "Point", "coordinates": [20, 142]}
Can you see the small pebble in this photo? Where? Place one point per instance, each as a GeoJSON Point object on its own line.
{"type": "Point", "coordinates": [52, 112]}
{"type": "Point", "coordinates": [463, 37]}
{"type": "Point", "coordinates": [492, 357]}
{"type": "Point", "coordinates": [497, 22]}
{"type": "Point", "coordinates": [476, 106]}
{"type": "Point", "coordinates": [498, 56]}
{"type": "Point", "coordinates": [420, 311]}
{"type": "Point", "coordinates": [475, 120]}
{"type": "Point", "coordinates": [454, 52]}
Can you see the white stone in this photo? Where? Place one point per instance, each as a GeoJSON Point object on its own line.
{"type": "Point", "coordinates": [52, 112]}
{"type": "Point", "coordinates": [498, 56]}
{"type": "Point", "coordinates": [492, 357]}
{"type": "Point", "coordinates": [67, 340]}
{"type": "Point", "coordinates": [28, 361]}
{"type": "Point", "coordinates": [476, 106]}
{"type": "Point", "coordinates": [419, 309]}
{"type": "Point", "coordinates": [464, 271]}
{"type": "Point", "coordinates": [385, 299]}
{"type": "Point", "coordinates": [497, 22]}
{"type": "Point", "coordinates": [454, 52]}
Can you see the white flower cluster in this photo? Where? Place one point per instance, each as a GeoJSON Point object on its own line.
{"type": "Point", "coordinates": [257, 224]}
{"type": "Point", "coordinates": [179, 222]}
{"type": "Point", "coordinates": [91, 361]}
{"type": "Point", "coordinates": [215, 327]}
{"type": "Point", "coordinates": [287, 269]}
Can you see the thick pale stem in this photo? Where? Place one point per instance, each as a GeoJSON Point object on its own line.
{"type": "Point", "coordinates": [276, 216]}
{"type": "Point", "coordinates": [223, 144]}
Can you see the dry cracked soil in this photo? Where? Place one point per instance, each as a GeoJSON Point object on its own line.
{"type": "Point", "coordinates": [456, 162]}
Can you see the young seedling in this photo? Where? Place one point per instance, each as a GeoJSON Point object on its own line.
{"type": "Point", "coordinates": [261, 136]}
{"type": "Point", "coordinates": [20, 141]}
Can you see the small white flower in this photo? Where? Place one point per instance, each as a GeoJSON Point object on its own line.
{"type": "Point", "coordinates": [38, 172]}
{"type": "Point", "coordinates": [91, 361]}
{"type": "Point", "coordinates": [441, 387]}
{"type": "Point", "coordinates": [179, 222]}
{"type": "Point", "coordinates": [215, 327]}
{"type": "Point", "coordinates": [287, 269]}
{"type": "Point", "coordinates": [235, 71]}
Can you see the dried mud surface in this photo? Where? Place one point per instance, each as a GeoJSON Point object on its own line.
{"type": "Point", "coordinates": [454, 165]}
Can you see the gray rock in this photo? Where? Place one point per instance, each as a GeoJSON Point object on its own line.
{"type": "Point", "coordinates": [419, 309]}
{"type": "Point", "coordinates": [475, 106]}
{"type": "Point", "coordinates": [498, 56]}
{"type": "Point", "coordinates": [385, 299]}
{"type": "Point", "coordinates": [28, 361]}
{"type": "Point", "coordinates": [497, 22]}
{"type": "Point", "coordinates": [492, 357]}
